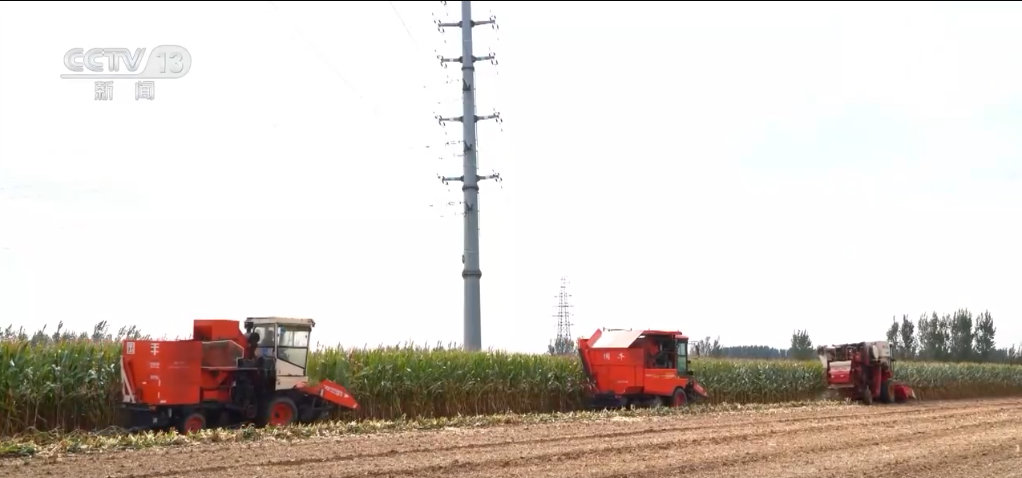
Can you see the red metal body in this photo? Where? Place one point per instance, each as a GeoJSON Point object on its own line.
{"type": "Point", "coordinates": [863, 371]}
{"type": "Point", "coordinates": [218, 377]}
{"type": "Point", "coordinates": [638, 367]}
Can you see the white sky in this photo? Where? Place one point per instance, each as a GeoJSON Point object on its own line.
{"type": "Point", "coordinates": [738, 170]}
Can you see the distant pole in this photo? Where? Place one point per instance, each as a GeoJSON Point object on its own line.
{"type": "Point", "coordinates": [564, 343]}
{"type": "Point", "coordinates": [470, 177]}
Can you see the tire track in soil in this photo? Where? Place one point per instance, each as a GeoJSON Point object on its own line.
{"type": "Point", "coordinates": [589, 448]}
{"type": "Point", "coordinates": [758, 417]}
{"type": "Point", "coordinates": [957, 459]}
{"type": "Point", "coordinates": [587, 436]}
{"type": "Point", "coordinates": [646, 443]}
{"type": "Point", "coordinates": [829, 458]}
{"type": "Point", "coordinates": [570, 441]}
{"type": "Point", "coordinates": [962, 446]}
{"type": "Point", "coordinates": [676, 457]}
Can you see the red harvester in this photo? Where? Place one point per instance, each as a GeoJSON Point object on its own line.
{"type": "Point", "coordinates": [638, 367]}
{"type": "Point", "coordinates": [863, 371]}
{"type": "Point", "coordinates": [225, 377]}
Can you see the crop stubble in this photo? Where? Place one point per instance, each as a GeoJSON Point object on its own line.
{"type": "Point", "coordinates": [961, 439]}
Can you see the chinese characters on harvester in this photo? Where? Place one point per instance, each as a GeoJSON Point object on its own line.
{"type": "Point", "coordinates": [144, 90]}
{"type": "Point", "coordinates": [167, 62]}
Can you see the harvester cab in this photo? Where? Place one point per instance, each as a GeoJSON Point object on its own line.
{"type": "Point", "coordinates": [286, 342]}
{"type": "Point", "coordinates": [225, 377]}
{"type": "Point", "coordinates": [639, 368]}
{"type": "Point", "coordinates": [863, 371]}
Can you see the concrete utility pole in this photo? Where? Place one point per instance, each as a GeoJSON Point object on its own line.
{"type": "Point", "coordinates": [470, 178]}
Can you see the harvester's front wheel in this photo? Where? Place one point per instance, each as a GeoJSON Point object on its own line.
{"type": "Point", "coordinates": [280, 411]}
{"type": "Point", "coordinates": [679, 399]}
{"type": "Point", "coordinates": [887, 391]}
{"type": "Point", "coordinates": [191, 423]}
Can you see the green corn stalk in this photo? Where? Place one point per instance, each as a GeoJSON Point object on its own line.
{"type": "Point", "coordinates": [73, 382]}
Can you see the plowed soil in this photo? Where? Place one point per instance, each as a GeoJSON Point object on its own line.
{"type": "Point", "coordinates": [960, 439]}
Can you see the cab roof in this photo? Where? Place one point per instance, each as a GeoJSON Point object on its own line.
{"type": "Point", "coordinates": [622, 339]}
{"type": "Point", "coordinates": [280, 320]}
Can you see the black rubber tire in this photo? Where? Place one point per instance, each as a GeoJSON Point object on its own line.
{"type": "Point", "coordinates": [887, 392]}
{"type": "Point", "coordinates": [867, 395]}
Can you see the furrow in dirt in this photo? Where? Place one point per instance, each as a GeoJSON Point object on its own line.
{"type": "Point", "coordinates": [780, 442]}
{"type": "Point", "coordinates": [392, 461]}
{"type": "Point", "coordinates": [667, 456]}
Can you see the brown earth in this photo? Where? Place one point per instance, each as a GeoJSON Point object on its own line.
{"type": "Point", "coordinates": [960, 439]}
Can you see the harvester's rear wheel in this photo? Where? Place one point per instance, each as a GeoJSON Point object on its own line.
{"type": "Point", "coordinates": [867, 395]}
{"type": "Point", "coordinates": [191, 423]}
{"type": "Point", "coordinates": [280, 411]}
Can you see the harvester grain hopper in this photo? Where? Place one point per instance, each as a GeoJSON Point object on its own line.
{"type": "Point", "coordinates": [638, 368]}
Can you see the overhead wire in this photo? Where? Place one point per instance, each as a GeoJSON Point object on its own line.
{"type": "Point", "coordinates": [364, 98]}
{"type": "Point", "coordinates": [319, 54]}
{"type": "Point", "coordinates": [374, 106]}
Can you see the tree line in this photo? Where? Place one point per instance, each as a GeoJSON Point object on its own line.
{"type": "Point", "coordinates": [957, 337]}
{"type": "Point", "coordinates": [801, 349]}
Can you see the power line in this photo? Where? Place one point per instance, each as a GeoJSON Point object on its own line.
{"type": "Point", "coordinates": [372, 104]}
{"type": "Point", "coordinates": [470, 178]}
{"type": "Point", "coordinates": [403, 24]}
{"type": "Point", "coordinates": [319, 54]}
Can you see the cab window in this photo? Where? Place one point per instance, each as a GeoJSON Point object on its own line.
{"type": "Point", "coordinates": [682, 357]}
{"type": "Point", "coordinates": [293, 345]}
{"type": "Point", "coordinates": [266, 335]}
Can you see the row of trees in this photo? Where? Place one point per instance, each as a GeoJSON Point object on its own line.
{"type": "Point", "coordinates": [957, 337]}
{"type": "Point", "coordinates": [801, 349]}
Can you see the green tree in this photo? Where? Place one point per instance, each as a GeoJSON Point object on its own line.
{"type": "Point", "coordinates": [984, 337]}
{"type": "Point", "coordinates": [961, 335]}
{"type": "Point", "coordinates": [753, 352]}
{"type": "Point", "coordinates": [562, 346]}
{"type": "Point", "coordinates": [708, 348]}
{"type": "Point", "coordinates": [908, 338]}
{"type": "Point", "coordinates": [925, 337]}
{"type": "Point", "coordinates": [893, 335]}
{"type": "Point", "coordinates": [801, 346]}
{"type": "Point", "coordinates": [933, 336]}
{"type": "Point", "coordinates": [941, 336]}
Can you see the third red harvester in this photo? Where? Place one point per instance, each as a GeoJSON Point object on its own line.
{"type": "Point", "coordinates": [863, 371]}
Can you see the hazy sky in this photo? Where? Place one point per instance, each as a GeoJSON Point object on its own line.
{"type": "Point", "coordinates": [739, 170]}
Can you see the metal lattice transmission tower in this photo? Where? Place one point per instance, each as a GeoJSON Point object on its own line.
{"type": "Point", "coordinates": [470, 177]}
{"type": "Point", "coordinates": [564, 341]}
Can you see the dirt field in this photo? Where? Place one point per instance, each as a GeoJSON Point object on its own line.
{"type": "Point", "coordinates": [939, 439]}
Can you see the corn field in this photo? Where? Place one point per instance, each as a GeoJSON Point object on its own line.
{"type": "Point", "coordinates": [73, 382]}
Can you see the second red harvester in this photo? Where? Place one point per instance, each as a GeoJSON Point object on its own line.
{"type": "Point", "coordinates": [638, 368]}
